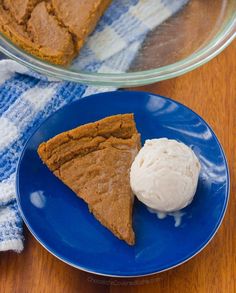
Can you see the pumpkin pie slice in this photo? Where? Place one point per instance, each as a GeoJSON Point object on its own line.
{"type": "Point", "coordinates": [94, 161]}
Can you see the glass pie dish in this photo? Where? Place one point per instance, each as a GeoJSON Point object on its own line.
{"type": "Point", "coordinates": [185, 41]}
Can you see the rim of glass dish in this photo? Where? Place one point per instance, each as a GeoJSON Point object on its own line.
{"type": "Point", "coordinates": [212, 49]}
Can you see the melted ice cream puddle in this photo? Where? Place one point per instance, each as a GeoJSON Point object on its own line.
{"type": "Point", "coordinates": [178, 215]}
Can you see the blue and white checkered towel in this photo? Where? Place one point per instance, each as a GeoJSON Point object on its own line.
{"type": "Point", "coordinates": [27, 98]}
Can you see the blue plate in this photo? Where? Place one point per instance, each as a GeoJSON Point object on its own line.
{"type": "Point", "coordinates": [61, 222]}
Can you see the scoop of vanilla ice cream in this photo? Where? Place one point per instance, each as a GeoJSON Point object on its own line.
{"type": "Point", "coordinates": [164, 175]}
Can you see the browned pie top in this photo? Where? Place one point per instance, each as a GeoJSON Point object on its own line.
{"type": "Point", "coordinates": [46, 31]}
{"type": "Point", "coordinates": [52, 30]}
{"type": "Point", "coordinates": [80, 17]}
{"type": "Point", "coordinates": [20, 9]}
{"type": "Point", "coordinates": [94, 161]}
{"type": "Point", "coordinates": [8, 23]}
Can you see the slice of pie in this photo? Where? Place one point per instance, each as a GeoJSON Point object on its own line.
{"type": "Point", "coordinates": [94, 161]}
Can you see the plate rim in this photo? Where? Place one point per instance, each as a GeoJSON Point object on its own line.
{"type": "Point", "coordinates": [134, 275]}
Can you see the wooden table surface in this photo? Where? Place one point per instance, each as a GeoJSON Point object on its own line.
{"type": "Point", "coordinates": [210, 91]}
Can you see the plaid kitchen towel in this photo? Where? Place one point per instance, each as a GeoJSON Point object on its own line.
{"type": "Point", "coordinates": [27, 98]}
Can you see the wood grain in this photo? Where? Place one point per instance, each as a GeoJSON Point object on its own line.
{"type": "Point", "coordinates": [210, 91]}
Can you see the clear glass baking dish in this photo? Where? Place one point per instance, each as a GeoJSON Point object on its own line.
{"type": "Point", "coordinates": [192, 37]}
